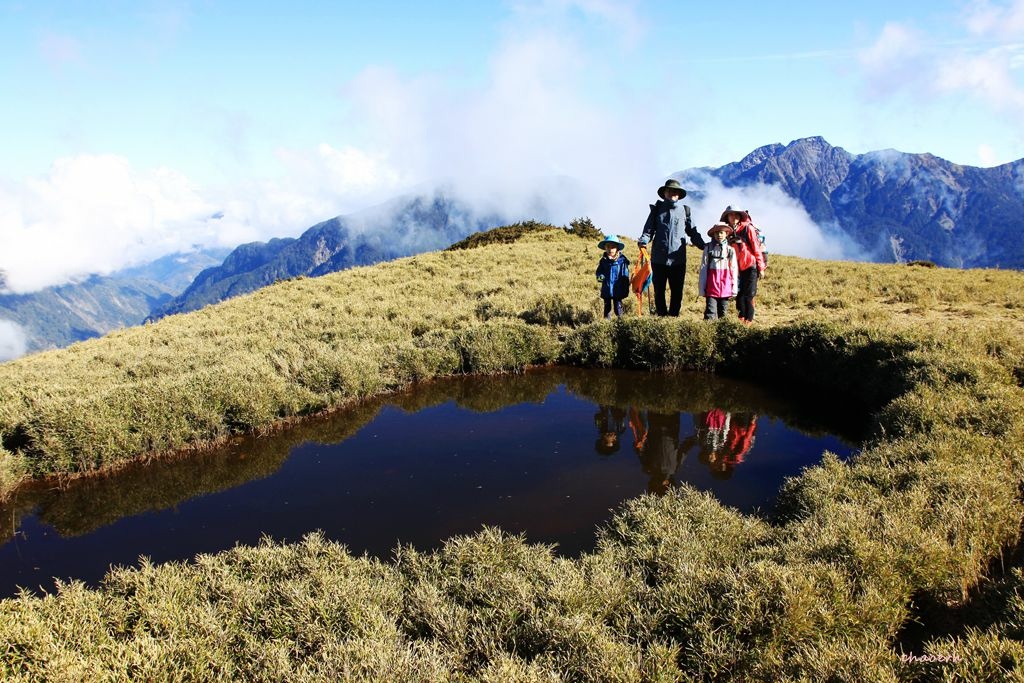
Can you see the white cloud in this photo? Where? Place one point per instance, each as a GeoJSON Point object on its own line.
{"type": "Point", "coordinates": [895, 43]}
{"type": "Point", "coordinates": [988, 20]}
{"type": "Point", "coordinates": [987, 76]}
{"type": "Point", "coordinates": [895, 61]}
{"type": "Point", "coordinates": [782, 220]}
{"type": "Point", "coordinates": [981, 58]}
{"type": "Point", "coordinates": [13, 342]}
{"type": "Point", "coordinates": [97, 213]}
{"type": "Point", "coordinates": [533, 130]}
{"type": "Point", "coordinates": [534, 139]}
{"type": "Point", "coordinates": [987, 155]}
{"type": "Point", "coordinates": [93, 214]}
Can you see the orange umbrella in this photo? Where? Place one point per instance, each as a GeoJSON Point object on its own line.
{"type": "Point", "coordinates": [641, 279]}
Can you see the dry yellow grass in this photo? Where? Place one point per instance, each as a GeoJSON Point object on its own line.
{"type": "Point", "coordinates": [680, 587]}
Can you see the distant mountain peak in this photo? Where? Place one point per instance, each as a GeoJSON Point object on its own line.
{"type": "Point", "coordinates": [811, 141]}
{"type": "Point", "coordinates": [894, 205]}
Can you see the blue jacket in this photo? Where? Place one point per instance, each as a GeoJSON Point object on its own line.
{"type": "Point", "coordinates": [615, 284]}
{"type": "Point", "coordinates": [665, 228]}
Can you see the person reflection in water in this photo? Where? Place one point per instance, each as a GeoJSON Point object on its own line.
{"type": "Point", "coordinates": [611, 424]}
{"type": "Point", "coordinates": [725, 440]}
{"type": "Point", "coordinates": [656, 441]}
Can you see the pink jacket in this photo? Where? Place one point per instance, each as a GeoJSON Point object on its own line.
{"type": "Point", "coordinates": [719, 272]}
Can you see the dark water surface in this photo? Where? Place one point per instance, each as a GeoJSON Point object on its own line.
{"type": "Point", "coordinates": [550, 454]}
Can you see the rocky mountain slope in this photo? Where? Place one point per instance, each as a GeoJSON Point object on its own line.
{"type": "Point", "coordinates": [895, 206]}
{"type": "Point", "coordinates": [57, 316]}
{"type": "Point", "coordinates": [400, 228]}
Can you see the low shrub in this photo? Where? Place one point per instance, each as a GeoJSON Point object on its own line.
{"type": "Point", "coordinates": [557, 310]}
{"type": "Point", "coordinates": [584, 228]}
{"type": "Point", "coordinates": [644, 343]}
{"type": "Point", "coordinates": [507, 234]}
{"type": "Point", "coordinates": [503, 347]}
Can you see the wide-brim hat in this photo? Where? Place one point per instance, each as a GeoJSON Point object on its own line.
{"type": "Point", "coordinates": [610, 239]}
{"type": "Point", "coordinates": [731, 209]}
{"type": "Point", "coordinates": [671, 184]}
{"type": "Point", "coordinates": [720, 226]}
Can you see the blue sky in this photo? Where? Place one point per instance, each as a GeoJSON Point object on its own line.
{"type": "Point", "coordinates": [127, 125]}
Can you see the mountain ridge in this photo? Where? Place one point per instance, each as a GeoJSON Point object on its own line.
{"type": "Point", "coordinates": [57, 316]}
{"type": "Point", "coordinates": [402, 227]}
{"type": "Point", "coordinates": [894, 205]}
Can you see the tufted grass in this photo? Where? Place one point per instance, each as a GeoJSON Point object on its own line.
{"type": "Point", "coordinates": [679, 588]}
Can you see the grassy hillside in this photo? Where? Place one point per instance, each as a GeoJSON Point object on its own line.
{"type": "Point", "coordinates": [680, 587]}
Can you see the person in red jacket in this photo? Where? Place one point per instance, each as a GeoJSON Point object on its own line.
{"type": "Point", "coordinates": [726, 445]}
{"type": "Point", "coordinates": [739, 441]}
{"type": "Point", "coordinates": [749, 259]}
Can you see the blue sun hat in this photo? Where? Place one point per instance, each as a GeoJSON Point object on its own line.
{"type": "Point", "coordinates": [610, 240]}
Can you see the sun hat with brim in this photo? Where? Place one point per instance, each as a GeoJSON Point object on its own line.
{"type": "Point", "coordinates": [671, 184]}
{"type": "Point", "coordinates": [608, 240]}
{"type": "Point", "coordinates": [739, 212]}
{"type": "Point", "coordinates": [719, 226]}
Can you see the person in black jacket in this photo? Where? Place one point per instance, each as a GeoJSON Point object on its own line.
{"type": "Point", "coordinates": [666, 224]}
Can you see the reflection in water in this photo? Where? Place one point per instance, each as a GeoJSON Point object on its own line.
{"type": "Point", "coordinates": [656, 441]}
{"type": "Point", "coordinates": [725, 439]}
{"type": "Point", "coordinates": [611, 424]}
{"type": "Point", "coordinates": [441, 459]}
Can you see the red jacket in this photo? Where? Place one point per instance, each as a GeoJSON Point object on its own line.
{"type": "Point", "coordinates": [740, 439]}
{"type": "Point", "coordinates": [748, 247]}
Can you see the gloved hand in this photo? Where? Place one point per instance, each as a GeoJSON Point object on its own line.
{"type": "Point", "coordinates": [600, 278]}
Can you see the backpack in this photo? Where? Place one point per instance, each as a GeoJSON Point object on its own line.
{"type": "Point", "coordinates": [764, 249]}
{"type": "Point", "coordinates": [760, 240]}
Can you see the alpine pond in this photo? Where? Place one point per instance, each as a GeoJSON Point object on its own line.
{"type": "Point", "coordinates": [548, 453]}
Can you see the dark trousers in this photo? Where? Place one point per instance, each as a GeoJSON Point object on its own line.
{"type": "Point", "coordinates": [674, 276]}
{"type": "Point", "coordinates": [746, 294]}
{"type": "Point", "coordinates": [715, 308]}
{"type": "Point", "coordinates": [608, 307]}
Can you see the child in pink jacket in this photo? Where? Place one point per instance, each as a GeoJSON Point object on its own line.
{"type": "Point", "coordinates": [719, 275]}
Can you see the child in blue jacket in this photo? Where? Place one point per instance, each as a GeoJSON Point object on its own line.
{"type": "Point", "coordinates": [613, 274]}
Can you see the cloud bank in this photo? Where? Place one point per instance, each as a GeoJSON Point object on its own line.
{"type": "Point", "coordinates": [786, 226]}
{"type": "Point", "coordinates": [531, 139]}
{"type": "Point", "coordinates": [13, 341]}
{"type": "Point", "coordinates": [98, 214]}
{"type": "Point", "coordinates": [982, 60]}
{"type": "Point", "coordinates": [532, 135]}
